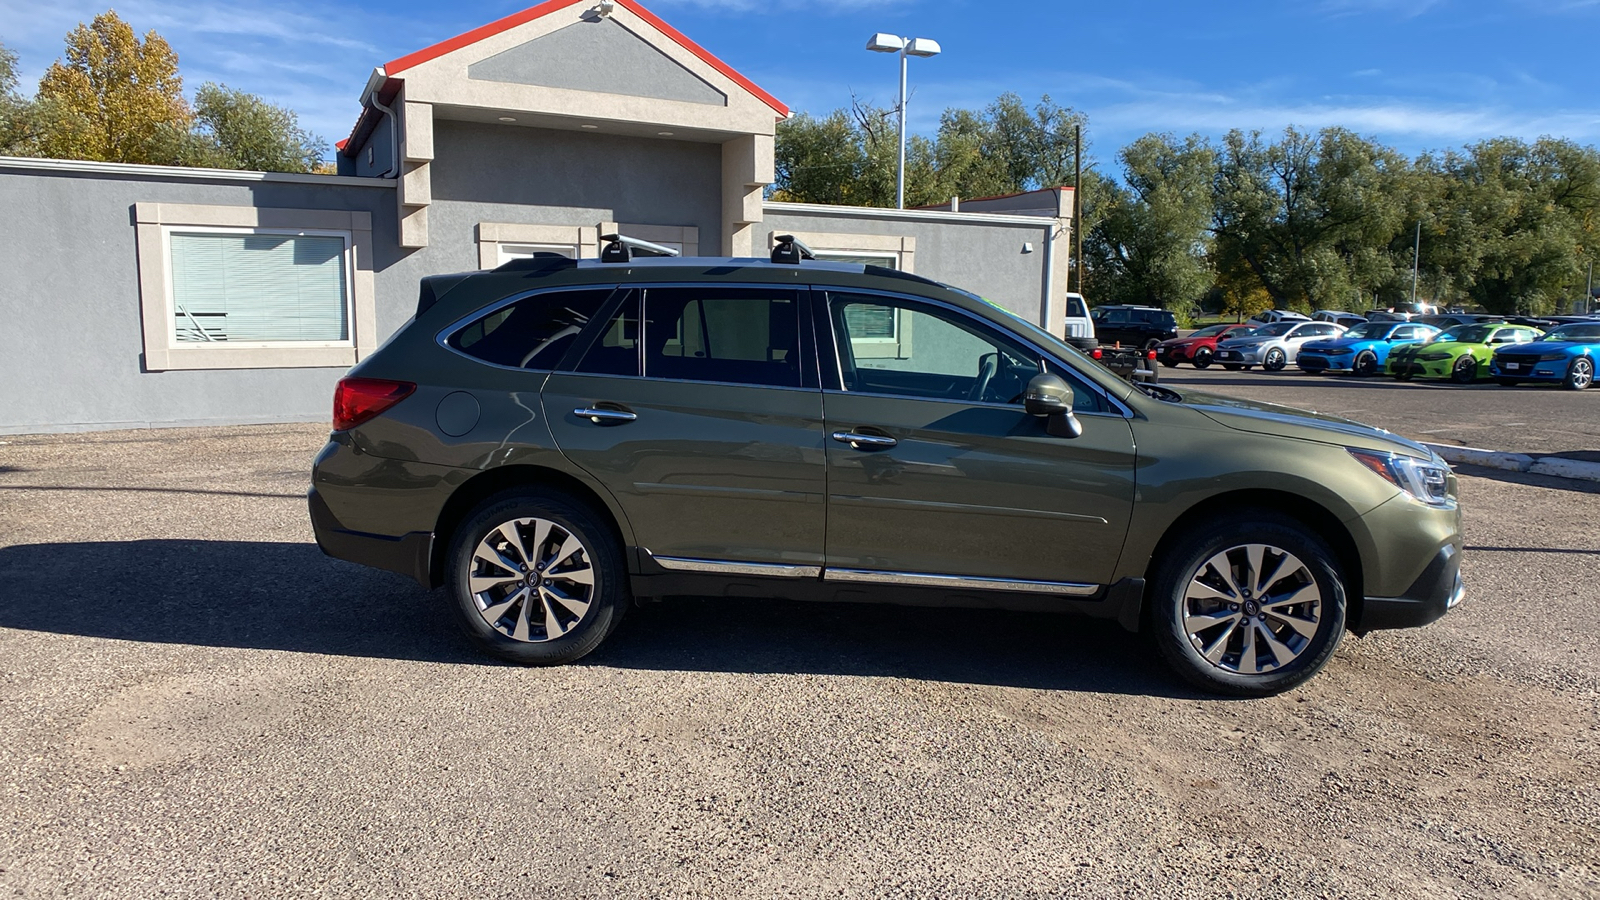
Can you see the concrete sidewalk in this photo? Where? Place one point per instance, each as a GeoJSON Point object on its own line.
{"type": "Point", "coordinates": [1582, 465]}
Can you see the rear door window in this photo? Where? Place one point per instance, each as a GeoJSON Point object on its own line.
{"type": "Point", "coordinates": [615, 350]}
{"type": "Point", "coordinates": [534, 332]}
{"type": "Point", "coordinates": [732, 335]}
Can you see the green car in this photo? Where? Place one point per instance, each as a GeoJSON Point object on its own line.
{"type": "Point", "coordinates": [1460, 354]}
{"type": "Point", "coordinates": [555, 440]}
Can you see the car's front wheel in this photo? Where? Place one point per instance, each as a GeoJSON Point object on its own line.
{"type": "Point", "coordinates": [537, 578]}
{"type": "Point", "coordinates": [1202, 358]}
{"type": "Point", "coordinates": [1366, 364]}
{"type": "Point", "coordinates": [1465, 371]}
{"type": "Point", "coordinates": [1580, 374]}
{"type": "Point", "coordinates": [1250, 604]}
{"type": "Point", "coordinates": [1275, 360]}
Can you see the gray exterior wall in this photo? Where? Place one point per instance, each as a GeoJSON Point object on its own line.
{"type": "Point", "coordinates": [537, 176]}
{"type": "Point", "coordinates": [71, 349]}
{"type": "Point", "coordinates": [982, 256]}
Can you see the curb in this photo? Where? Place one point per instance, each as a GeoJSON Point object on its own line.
{"type": "Point", "coordinates": [1554, 466]}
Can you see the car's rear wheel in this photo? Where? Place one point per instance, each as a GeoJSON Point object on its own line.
{"type": "Point", "coordinates": [1366, 364]}
{"type": "Point", "coordinates": [1275, 360]}
{"type": "Point", "coordinates": [1249, 604]}
{"type": "Point", "coordinates": [537, 578]}
{"type": "Point", "coordinates": [1580, 374]}
{"type": "Point", "coordinates": [1151, 345]}
{"type": "Point", "coordinates": [1465, 371]}
{"type": "Point", "coordinates": [1202, 358]}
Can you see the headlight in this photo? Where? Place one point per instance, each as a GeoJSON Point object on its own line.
{"type": "Point", "coordinates": [1433, 357]}
{"type": "Point", "coordinates": [1552, 357]}
{"type": "Point", "coordinates": [1422, 479]}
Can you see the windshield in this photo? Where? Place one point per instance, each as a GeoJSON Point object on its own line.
{"type": "Point", "coordinates": [1276, 329]}
{"type": "Point", "coordinates": [1471, 334]}
{"type": "Point", "coordinates": [1210, 331]}
{"type": "Point", "coordinates": [1577, 331]}
{"type": "Point", "coordinates": [1369, 330]}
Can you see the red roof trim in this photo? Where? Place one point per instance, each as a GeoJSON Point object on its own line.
{"type": "Point", "coordinates": [411, 60]}
{"type": "Point", "coordinates": [339, 145]}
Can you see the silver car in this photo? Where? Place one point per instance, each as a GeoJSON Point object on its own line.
{"type": "Point", "coordinates": [1275, 346]}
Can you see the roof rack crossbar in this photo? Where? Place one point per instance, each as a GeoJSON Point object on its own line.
{"type": "Point", "coordinates": [788, 249]}
{"type": "Point", "coordinates": [620, 248]}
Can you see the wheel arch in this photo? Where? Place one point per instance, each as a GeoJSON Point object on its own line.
{"type": "Point", "coordinates": [1316, 517]}
{"type": "Point", "coordinates": [501, 479]}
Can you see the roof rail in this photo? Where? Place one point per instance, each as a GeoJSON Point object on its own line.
{"type": "Point", "coordinates": [790, 250]}
{"type": "Point", "coordinates": [620, 248]}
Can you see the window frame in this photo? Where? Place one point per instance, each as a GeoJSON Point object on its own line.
{"type": "Point", "coordinates": [156, 222]}
{"type": "Point", "coordinates": [583, 240]}
{"type": "Point", "coordinates": [832, 373]}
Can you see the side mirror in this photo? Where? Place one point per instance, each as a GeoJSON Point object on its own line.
{"type": "Point", "coordinates": [1050, 397]}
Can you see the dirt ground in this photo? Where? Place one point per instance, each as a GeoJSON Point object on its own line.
{"type": "Point", "coordinates": [197, 703]}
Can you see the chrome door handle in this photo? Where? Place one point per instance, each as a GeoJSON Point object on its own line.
{"type": "Point", "coordinates": [605, 416]}
{"type": "Point", "coordinates": [860, 441]}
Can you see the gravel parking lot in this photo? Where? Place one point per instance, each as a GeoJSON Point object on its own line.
{"type": "Point", "coordinates": [198, 703]}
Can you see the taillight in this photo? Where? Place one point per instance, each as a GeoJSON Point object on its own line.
{"type": "Point", "coordinates": [1095, 353]}
{"type": "Point", "coordinates": [356, 400]}
{"type": "Point", "coordinates": [1150, 355]}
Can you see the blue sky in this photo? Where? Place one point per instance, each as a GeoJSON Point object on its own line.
{"type": "Point", "coordinates": [1418, 74]}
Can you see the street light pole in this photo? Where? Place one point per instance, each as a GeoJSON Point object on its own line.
{"type": "Point", "coordinates": [906, 47]}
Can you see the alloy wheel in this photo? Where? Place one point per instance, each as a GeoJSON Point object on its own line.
{"type": "Point", "coordinates": [532, 579]}
{"type": "Point", "coordinates": [1275, 360]}
{"type": "Point", "coordinates": [1581, 375]}
{"type": "Point", "coordinates": [1252, 609]}
{"type": "Point", "coordinates": [1202, 358]}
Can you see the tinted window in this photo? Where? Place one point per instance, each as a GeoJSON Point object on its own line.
{"type": "Point", "coordinates": [1276, 329]}
{"type": "Point", "coordinates": [616, 349]}
{"type": "Point", "coordinates": [1576, 332]}
{"type": "Point", "coordinates": [741, 336]}
{"type": "Point", "coordinates": [532, 333]}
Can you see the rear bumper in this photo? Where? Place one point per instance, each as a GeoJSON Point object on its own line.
{"type": "Point", "coordinates": [1435, 591]}
{"type": "Point", "coordinates": [409, 554]}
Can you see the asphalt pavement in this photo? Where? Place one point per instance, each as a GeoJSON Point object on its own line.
{"type": "Point", "coordinates": [197, 703]}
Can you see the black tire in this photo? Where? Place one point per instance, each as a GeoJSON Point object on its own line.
{"type": "Point", "coordinates": [1366, 364]}
{"type": "Point", "coordinates": [1151, 344]}
{"type": "Point", "coordinates": [1275, 360]}
{"type": "Point", "coordinates": [1202, 358]}
{"type": "Point", "coordinates": [1185, 562]}
{"type": "Point", "coordinates": [607, 596]}
{"type": "Point", "coordinates": [1465, 371]}
{"type": "Point", "coordinates": [1580, 374]}
{"type": "Point", "coordinates": [1232, 367]}
{"type": "Point", "coordinates": [1403, 375]}
{"type": "Point", "coordinates": [1507, 382]}
{"type": "Point", "coordinates": [1169, 364]}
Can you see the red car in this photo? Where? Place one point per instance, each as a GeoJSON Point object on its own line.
{"type": "Point", "coordinates": [1198, 348]}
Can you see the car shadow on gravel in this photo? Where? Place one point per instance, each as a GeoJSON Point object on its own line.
{"type": "Point", "coordinates": [249, 594]}
{"type": "Point", "coordinates": [282, 596]}
{"type": "Point", "coordinates": [972, 646]}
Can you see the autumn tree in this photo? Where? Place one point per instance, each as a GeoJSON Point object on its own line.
{"type": "Point", "coordinates": [115, 97]}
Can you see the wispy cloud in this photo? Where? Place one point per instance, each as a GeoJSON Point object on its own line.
{"type": "Point", "coordinates": [1402, 9]}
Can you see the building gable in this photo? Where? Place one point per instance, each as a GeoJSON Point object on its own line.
{"type": "Point", "coordinates": [565, 59]}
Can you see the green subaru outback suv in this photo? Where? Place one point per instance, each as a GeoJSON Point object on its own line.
{"type": "Point", "coordinates": [554, 439]}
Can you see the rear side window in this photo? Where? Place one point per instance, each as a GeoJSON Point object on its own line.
{"type": "Point", "coordinates": [533, 332]}
{"type": "Point", "coordinates": [733, 335]}
{"type": "Point", "coordinates": [615, 350]}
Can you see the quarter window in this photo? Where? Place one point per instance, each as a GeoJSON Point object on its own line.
{"type": "Point", "coordinates": [532, 333]}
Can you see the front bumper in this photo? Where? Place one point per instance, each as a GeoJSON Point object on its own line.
{"type": "Point", "coordinates": [1435, 592]}
{"type": "Point", "coordinates": [1418, 368]}
{"type": "Point", "coordinates": [1236, 356]}
{"type": "Point", "coordinates": [1318, 362]}
{"type": "Point", "coordinates": [1530, 369]}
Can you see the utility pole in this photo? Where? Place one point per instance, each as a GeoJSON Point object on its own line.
{"type": "Point", "coordinates": [1416, 258]}
{"type": "Point", "coordinates": [1077, 205]}
{"type": "Point", "coordinates": [1588, 293]}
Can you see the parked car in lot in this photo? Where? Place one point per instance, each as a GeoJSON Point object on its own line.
{"type": "Point", "coordinates": [1080, 327]}
{"type": "Point", "coordinates": [1564, 355]}
{"type": "Point", "coordinates": [1459, 354]}
{"type": "Point", "coordinates": [1272, 347]}
{"type": "Point", "coordinates": [1199, 347]}
{"type": "Point", "coordinates": [1135, 326]}
{"type": "Point", "coordinates": [1273, 316]}
{"type": "Point", "coordinates": [553, 439]}
{"type": "Point", "coordinates": [1363, 349]}
{"type": "Point", "coordinates": [1338, 317]}
{"type": "Point", "coordinates": [1453, 320]}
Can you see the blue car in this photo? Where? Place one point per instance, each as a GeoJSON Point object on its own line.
{"type": "Point", "coordinates": [1565, 355]}
{"type": "Point", "coordinates": [1363, 349]}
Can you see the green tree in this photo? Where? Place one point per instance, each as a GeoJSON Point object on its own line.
{"type": "Point", "coordinates": [15, 111]}
{"type": "Point", "coordinates": [1312, 216]}
{"type": "Point", "coordinates": [246, 132]}
{"type": "Point", "coordinates": [115, 98]}
{"type": "Point", "coordinates": [1149, 242]}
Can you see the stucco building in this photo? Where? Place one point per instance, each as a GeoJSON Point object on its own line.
{"type": "Point", "coordinates": [147, 295]}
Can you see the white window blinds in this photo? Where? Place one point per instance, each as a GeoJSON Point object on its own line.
{"type": "Point", "coordinates": [259, 287]}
